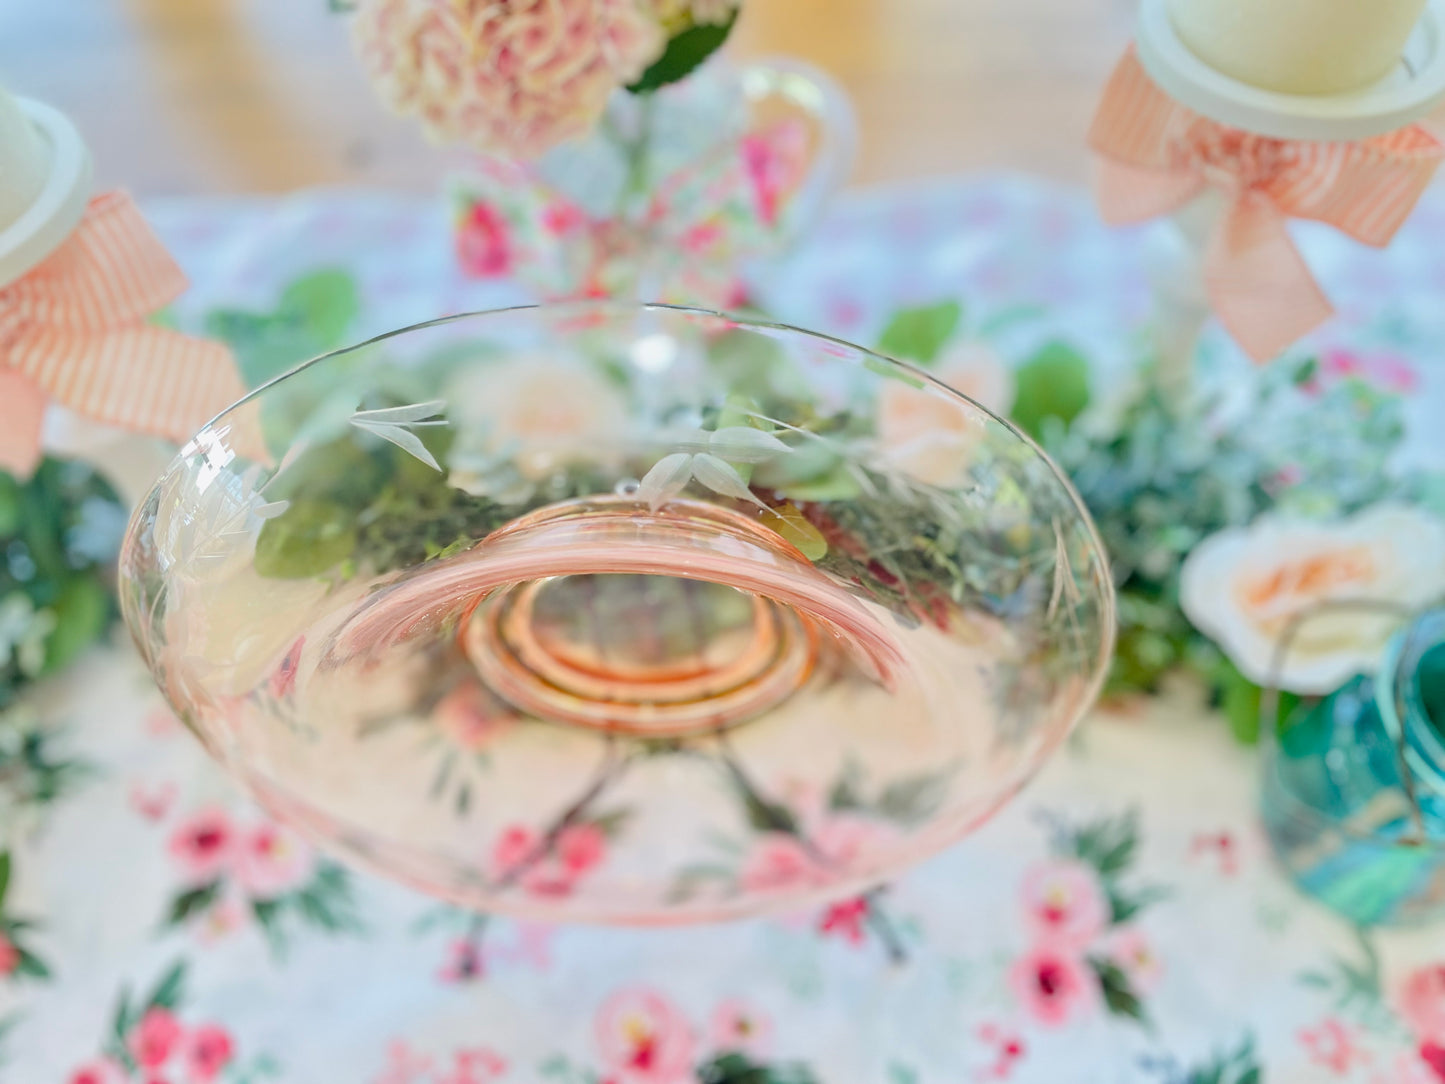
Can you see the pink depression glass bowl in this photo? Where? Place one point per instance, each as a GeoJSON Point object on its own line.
{"type": "Point", "coordinates": [620, 613]}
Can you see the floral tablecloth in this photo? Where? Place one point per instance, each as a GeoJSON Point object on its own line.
{"type": "Point", "coordinates": [1121, 921]}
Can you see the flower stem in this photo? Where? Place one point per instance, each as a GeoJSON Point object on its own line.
{"type": "Point", "coordinates": [612, 766]}
{"type": "Point", "coordinates": [881, 923]}
{"type": "Point", "coordinates": [638, 150]}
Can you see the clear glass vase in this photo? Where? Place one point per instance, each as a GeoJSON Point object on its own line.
{"type": "Point", "coordinates": [671, 196]}
{"type": "Point", "coordinates": [1354, 786]}
{"type": "Point", "coordinates": [622, 613]}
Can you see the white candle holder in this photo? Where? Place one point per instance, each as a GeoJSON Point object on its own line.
{"type": "Point", "coordinates": [1408, 94]}
{"type": "Point", "coordinates": [58, 207]}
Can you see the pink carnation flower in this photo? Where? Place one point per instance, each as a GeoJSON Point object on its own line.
{"type": "Point", "coordinates": [271, 861]}
{"type": "Point", "coordinates": [208, 1050]}
{"type": "Point", "coordinates": [484, 241]}
{"type": "Point", "coordinates": [511, 76]}
{"type": "Point", "coordinates": [779, 862]}
{"type": "Point", "coordinates": [1065, 902]}
{"type": "Point", "coordinates": [737, 1026]}
{"type": "Point", "coordinates": [1422, 1003]}
{"type": "Point", "coordinates": [1053, 984]}
{"type": "Point", "coordinates": [9, 956]}
{"type": "Point", "coordinates": [1131, 952]}
{"type": "Point", "coordinates": [471, 718]}
{"type": "Point", "coordinates": [202, 845]}
{"type": "Point", "coordinates": [155, 1038]}
{"type": "Point", "coordinates": [577, 851]}
{"type": "Point", "coordinates": [644, 1039]}
{"type": "Point", "coordinates": [100, 1071]}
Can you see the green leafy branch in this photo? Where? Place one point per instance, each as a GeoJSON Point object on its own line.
{"type": "Point", "coordinates": [908, 800]}
{"type": "Point", "coordinates": [733, 1067]}
{"type": "Point", "coordinates": [15, 930]}
{"type": "Point", "coordinates": [1357, 990]}
{"type": "Point", "coordinates": [59, 531]}
{"type": "Point", "coordinates": [327, 903]}
{"type": "Point", "coordinates": [1110, 845]}
{"type": "Point", "coordinates": [168, 993]}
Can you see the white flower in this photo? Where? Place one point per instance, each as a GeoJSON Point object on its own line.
{"type": "Point", "coordinates": [931, 437]}
{"type": "Point", "coordinates": [1242, 587]}
{"type": "Point", "coordinates": [539, 412]}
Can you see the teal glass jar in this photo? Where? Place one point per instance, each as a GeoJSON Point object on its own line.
{"type": "Point", "coordinates": [1354, 786]}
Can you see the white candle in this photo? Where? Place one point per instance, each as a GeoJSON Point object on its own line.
{"type": "Point", "coordinates": [24, 161]}
{"type": "Point", "coordinates": [1298, 46]}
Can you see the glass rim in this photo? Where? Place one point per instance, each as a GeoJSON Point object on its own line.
{"type": "Point", "coordinates": [619, 306]}
{"type": "Point", "coordinates": [616, 306]}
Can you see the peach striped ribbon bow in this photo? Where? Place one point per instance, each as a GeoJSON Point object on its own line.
{"type": "Point", "coordinates": [73, 332]}
{"type": "Point", "coordinates": [1156, 156]}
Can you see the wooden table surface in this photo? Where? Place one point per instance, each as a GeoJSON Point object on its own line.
{"type": "Point", "coordinates": [220, 96]}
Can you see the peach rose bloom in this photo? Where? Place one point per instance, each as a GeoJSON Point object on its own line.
{"type": "Point", "coordinates": [542, 413]}
{"type": "Point", "coordinates": [931, 437]}
{"type": "Point", "coordinates": [1242, 587]}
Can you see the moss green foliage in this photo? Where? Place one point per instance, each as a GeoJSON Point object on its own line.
{"type": "Point", "coordinates": [359, 502]}
{"type": "Point", "coordinates": [59, 534]}
{"type": "Point", "coordinates": [1053, 384]}
{"type": "Point", "coordinates": [1158, 483]}
{"type": "Point", "coordinates": [313, 315]}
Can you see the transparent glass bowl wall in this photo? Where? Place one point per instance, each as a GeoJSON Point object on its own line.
{"type": "Point", "coordinates": [620, 613]}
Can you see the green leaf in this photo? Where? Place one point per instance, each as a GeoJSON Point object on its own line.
{"type": "Point", "coordinates": [684, 52]}
{"type": "Point", "coordinates": [1249, 1076]}
{"type": "Point", "coordinates": [327, 902]}
{"type": "Point", "coordinates": [793, 526]}
{"type": "Point", "coordinates": [1054, 383]}
{"type": "Point", "coordinates": [840, 485]}
{"type": "Point", "coordinates": [1123, 907]}
{"type": "Point", "coordinates": [308, 539]}
{"type": "Point", "coordinates": [170, 991]}
{"type": "Point", "coordinates": [31, 965]}
{"type": "Point", "coordinates": [11, 502]}
{"type": "Point", "coordinates": [915, 798]}
{"type": "Point", "coordinates": [846, 793]}
{"type": "Point", "coordinates": [1119, 997]}
{"type": "Point", "coordinates": [326, 302]}
{"type": "Point", "coordinates": [122, 1024]}
{"type": "Point", "coordinates": [919, 334]}
{"type": "Point", "coordinates": [82, 612]}
{"type": "Point", "coordinates": [612, 821]}
{"type": "Point", "coordinates": [734, 1067]}
{"type": "Point", "coordinates": [312, 316]}
{"type": "Point", "coordinates": [192, 902]}
{"type": "Point", "coordinates": [268, 913]}
{"type": "Point", "coordinates": [1305, 371]}
{"type": "Point", "coordinates": [1241, 701]}
{"type": "Point", "coordinates": [4, 878]}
